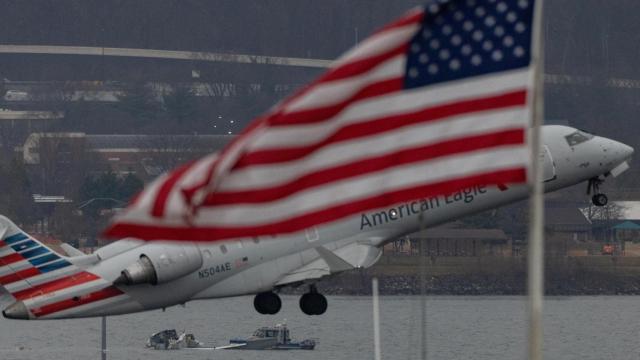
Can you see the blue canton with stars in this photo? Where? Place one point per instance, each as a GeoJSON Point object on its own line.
{"type": "Point", "coordinates": [465, 38]}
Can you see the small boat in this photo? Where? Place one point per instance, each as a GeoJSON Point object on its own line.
{"type": "Point", "coordinates": [271, 338]}
{"type": "Point", "coordinates": [171, 340]}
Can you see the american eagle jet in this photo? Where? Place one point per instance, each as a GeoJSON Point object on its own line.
{"type": "Point", "coordinates": [131, 275]}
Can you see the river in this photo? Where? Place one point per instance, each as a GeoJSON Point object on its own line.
{"type": "Point", "coordinates": [459, 327]}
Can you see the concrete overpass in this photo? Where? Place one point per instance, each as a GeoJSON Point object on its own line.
{"type": "Point", "coordinates": [164, 54]}
{"type": "Point", "coordinates": [553, 79]}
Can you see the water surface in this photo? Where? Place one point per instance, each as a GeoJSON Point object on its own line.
{"type": "Point", "coordinates": [604, 327]}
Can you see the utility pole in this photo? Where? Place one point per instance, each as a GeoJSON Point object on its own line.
{"type": "Point", "coordinates": [423, 288]}
{"type": "Point", "coordinates": [104, 338]}
{"type": "Point", "coordinates": [377, 352]}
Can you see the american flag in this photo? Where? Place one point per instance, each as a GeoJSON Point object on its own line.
{"type": "Point", "coordinates": [241, 262]}
{"type": "Point", "coordinates": [434, 102]}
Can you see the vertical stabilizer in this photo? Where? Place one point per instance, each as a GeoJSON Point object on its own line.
{"type": "Point", "coordinates": [26, 263]}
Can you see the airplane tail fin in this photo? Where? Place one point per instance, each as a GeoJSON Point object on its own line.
{"type": "Point", "coordinates": [26, 263]}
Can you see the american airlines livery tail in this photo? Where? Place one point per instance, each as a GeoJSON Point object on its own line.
{"type": "Point", "coordinates": [30, 270]}
{"type": "Point", "coordinates": [131, 275]}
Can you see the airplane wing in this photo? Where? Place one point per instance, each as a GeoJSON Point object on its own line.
{"type": "Point", "coordinates": [331, 262]}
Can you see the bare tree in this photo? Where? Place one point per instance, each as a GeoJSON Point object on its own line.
{"type": "Point", "coordinates": [611, 211]}
{"type": "Point", "coordinates": [604, 217]}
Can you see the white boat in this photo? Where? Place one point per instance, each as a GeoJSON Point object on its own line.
{"type": "Point", "coordinates": [271, 338]}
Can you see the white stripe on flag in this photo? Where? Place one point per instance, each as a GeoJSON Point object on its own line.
{"type": "Point", "coordinates": [330, 93]}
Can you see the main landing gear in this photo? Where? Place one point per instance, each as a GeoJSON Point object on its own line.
{"type": "Point", "coordinates": [313, 303]}
{"type": "Point", "coordinates": [267, 303]}
{"type": "Point", "coordinates": [598, 199]}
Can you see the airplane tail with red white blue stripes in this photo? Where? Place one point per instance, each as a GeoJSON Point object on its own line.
{"type": "Point", "coordinates": [26, 263]}
{"type": "Point", "coordinates": [44, 283]}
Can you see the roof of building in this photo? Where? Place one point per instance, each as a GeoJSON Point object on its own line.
{"type": "Point", "coordinates": [149, 142]}
{"type": "Point", "coordinates": [452, 233]}
{"type": "Point", "coordinates": [630, 210]}
{"type": "Point", "coordinates": [627, 225]}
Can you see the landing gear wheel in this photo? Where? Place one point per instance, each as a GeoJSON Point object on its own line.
{"type": "Point", "coordinates": [267, 303]}
{"type": "Point", "coordinates": [313, 303]}
{"type": "Point", "coordinates": [599, 200]}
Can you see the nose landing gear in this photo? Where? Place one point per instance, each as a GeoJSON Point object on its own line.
{"type": "Point", "coordinates": [313, 303]}
{"type": "Point", "coordinates": [267, 303]}
{"type": "Point", "coordinates": [598, 199]}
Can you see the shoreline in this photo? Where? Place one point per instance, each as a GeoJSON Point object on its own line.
{"type": "Point", "coordinates": [588, 283]}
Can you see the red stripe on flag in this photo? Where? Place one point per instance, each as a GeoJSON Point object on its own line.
{"type": "Point", "coordinates": [289, 225]}
{"type": "Point", "coordinates": [361, 66]}
{"type": "Point", "coordinates": [367, 166]}
{"type": "Point", "coordinates": [58, 284]}
{"type": "Point", "coordinates": [385, 124]}
{"type": "Point", "coordinates": [20, 275]}
{"type": "Point", "coordinates": [165, 189]}
{"type": "Point", "coordinates": [403, 21]}
{"type": "Point", "coordinates": [81, 300]}
{"type": "Point", "coordinates": [324, 113]}
{"type": "Point", "coordinates": [10, 259]}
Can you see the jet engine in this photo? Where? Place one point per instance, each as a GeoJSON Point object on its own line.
{"type": "Point", "coordinates": [159, 264]}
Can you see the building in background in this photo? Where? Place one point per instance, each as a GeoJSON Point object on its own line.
{"type": "Point", "coordinates": [146, 156]}
{"type": "Point", "coordinates": [451, 241]}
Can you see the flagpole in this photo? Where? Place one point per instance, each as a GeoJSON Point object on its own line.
{"type": "Point", "coordinates": [423, 289]}
{"type": "Point", "coordinates": [103, 348]}
{"type": "Point", "coordinates": [536, 203]}
{"type": "Point", "coordinates": [377, 352]}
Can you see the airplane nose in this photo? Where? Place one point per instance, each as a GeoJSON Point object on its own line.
{"type": "Point", "coordinates": [17, 310]}
{"type": "Point", "coordinates": [615, 150]}
{"type": "Point", "coordinates": [625, 150]}
{"type": "Point", "coordinates": [618, 157]}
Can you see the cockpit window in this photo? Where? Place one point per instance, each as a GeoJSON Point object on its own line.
{"type": "Point", "coordinates": [578, 137]}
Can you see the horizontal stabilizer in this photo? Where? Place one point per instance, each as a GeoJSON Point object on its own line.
{"type": "Point", "coordinates": [78, 258]}
{"type": "Point", "coordinates": [71, 251]}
